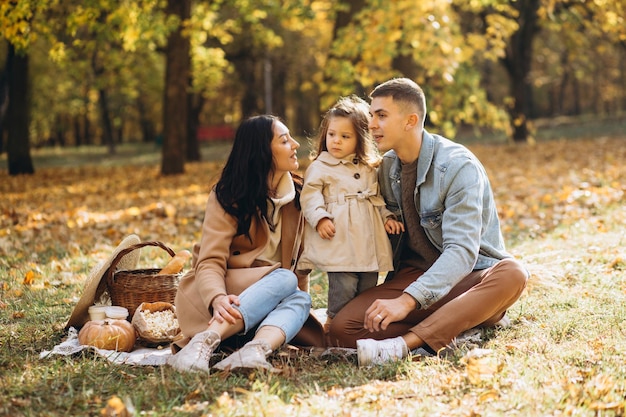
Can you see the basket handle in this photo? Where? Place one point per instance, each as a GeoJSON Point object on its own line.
{"type": "Point", "coordinates": [111, 271]}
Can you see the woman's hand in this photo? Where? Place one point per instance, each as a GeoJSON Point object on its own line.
{"type": "Point", "coordinates": [393, 227]}
{"type": "Point", "coordinates": [325, 228]}
{"type": "Point", "coordinates": [223, 309]}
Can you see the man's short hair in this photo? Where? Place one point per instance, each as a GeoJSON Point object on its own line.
{"type": "Point", "coordinates": [405, 91]}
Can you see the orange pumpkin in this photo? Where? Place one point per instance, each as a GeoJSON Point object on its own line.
{"type": "Point", "coordinates": [108, 334]}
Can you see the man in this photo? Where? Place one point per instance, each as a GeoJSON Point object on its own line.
{"type": "Point", "coordinates": [452, 272]}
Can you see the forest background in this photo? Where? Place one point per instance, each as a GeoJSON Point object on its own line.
{"type": "Point", "coordinates": [105, 72]}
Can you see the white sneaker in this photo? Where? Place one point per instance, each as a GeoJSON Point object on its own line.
{"type": "Point", "coordinates": [197, 354]}
{"type": "Point", "coordinates": [375, 352]}
{"type": "Point", "coordinates": [503, 323]}
{"type": "Point", "coordinates": [253, 355]}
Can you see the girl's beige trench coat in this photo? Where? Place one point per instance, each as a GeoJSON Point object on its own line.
{"type": "Point", "coordinates": [345, 191]}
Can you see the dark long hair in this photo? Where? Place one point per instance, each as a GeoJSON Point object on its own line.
{"type": "Point", "coordinates": [242, 189]}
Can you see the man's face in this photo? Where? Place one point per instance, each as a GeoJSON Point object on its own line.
{"type": "Point", "coordinates": [388, 124]}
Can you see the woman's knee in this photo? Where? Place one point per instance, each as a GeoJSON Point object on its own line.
{"type": "Point", "coordinates": [284, 278]}
{"type": "Point", "coordinates": [302, 299]}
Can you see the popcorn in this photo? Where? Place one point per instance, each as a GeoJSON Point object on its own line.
{"type": "Point", "coordinates": [161, 323]}
{"type": "Point", "coordinates": [156, 322]}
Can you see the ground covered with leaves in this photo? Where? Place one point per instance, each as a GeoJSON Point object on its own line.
{"type": "Point", "coordinates": [562, 208]}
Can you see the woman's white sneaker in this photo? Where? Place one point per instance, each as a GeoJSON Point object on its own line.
{"type": "Point", "coordinates": [195, 356]}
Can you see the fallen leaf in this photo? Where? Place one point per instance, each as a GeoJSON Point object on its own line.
{"type": "Point", "coordinates": [29, 278]}
{"type": "Point", "coordinates": [115, 408]}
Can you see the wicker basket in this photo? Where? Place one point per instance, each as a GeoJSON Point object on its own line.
{"type": "Point", "coordinates": [131, 288]}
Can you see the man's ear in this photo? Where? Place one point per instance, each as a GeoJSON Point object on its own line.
{"type": "Point", "coordinates": [412, 121]}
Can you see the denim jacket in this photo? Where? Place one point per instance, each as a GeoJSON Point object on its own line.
{"type": "Point", "coordinates": [455, 203]}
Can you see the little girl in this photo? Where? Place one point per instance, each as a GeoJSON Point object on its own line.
{"type": "Point", "coordinates": [347, 222]}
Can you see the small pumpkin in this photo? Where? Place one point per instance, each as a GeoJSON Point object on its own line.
{"type": "Point", "coordinates": [108, 334]}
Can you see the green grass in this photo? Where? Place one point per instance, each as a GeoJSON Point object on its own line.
{"type": "Point", "coordinates": [565, 354]}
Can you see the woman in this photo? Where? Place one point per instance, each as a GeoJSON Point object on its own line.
{"type": "Point", "coordinates": [252, 226]}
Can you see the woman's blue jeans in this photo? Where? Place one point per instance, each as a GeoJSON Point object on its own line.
{"type": "Point", "coordinates": [275, 300]}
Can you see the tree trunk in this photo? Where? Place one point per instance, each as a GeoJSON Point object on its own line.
{"type": "Point", "coordinates": [18, 115]}
{"type": "Point", "coordinates": [195, 103]}
{"type": "Point", "coordinates": [178, 63]}
{"type": "Point", "coordinates": [107, 126]}
{"type": "Point", "coordinates": [78, 133]}
{"type": "Point", "coordinates": [88, 139]}
{"type": "Point", "coordinates": [4, 101]}
{"type": "Point", "coordinates": [517, 63]}
{"type": "Point", "coordinates": [247, 69]}
{"type": "Point", "coordinates": [148, 131]}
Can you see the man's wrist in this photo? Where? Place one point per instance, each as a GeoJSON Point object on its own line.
{"type": "Point", "coordinates": [416, 304]}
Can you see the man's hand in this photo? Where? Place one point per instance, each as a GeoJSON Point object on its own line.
{"type": "Point", "coordinates": [384, 312]}
{"type": "Point", "coordinates": [325, 228]}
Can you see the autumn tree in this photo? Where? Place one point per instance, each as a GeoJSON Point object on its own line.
{"type": "Point", "coordinates": [16, 27]}
{"type": "Point", "coordinates": [424, 41]}
{"type": "Point", "coordinates": [177, 65]}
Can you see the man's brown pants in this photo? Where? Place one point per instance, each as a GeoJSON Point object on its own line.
{"type": "Point", "coordinates": [481, 298]}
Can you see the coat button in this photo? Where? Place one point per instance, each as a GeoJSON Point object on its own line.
{"type": "Point", "coordinates": [357, 175]}
{"type": "Point", "coordinates": [355, 161]}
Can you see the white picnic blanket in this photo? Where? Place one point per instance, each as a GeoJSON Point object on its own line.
{"type": "Point", "coordinates": [139, 356]}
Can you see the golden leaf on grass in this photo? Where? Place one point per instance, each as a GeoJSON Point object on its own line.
{"type": "Point", "coordinates": [29, 278]}
{"type": "Point", "coordinates": [133, 211]}
{"type": "Point", "coordinates": [601, 406]}
{"type": "Point", "coordinates": [193, 395]}
{"type": "Point", "coordinates": [617, 263]}
{"type": "Point", "coordinates": [18, 315]}
{"type": "Point", "coordinates": [225, 400]}
{"type": "Point", "coordinates": [116, 408]}
{"type": "Point", "coordinates": [488, 395]}
{"type": "Point", "coordinates": [480, 365]}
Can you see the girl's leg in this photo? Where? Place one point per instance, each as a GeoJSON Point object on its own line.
{"type": "Point", "coordinates": [342, 287]}
{"type": "Point", "coordinates": [348, 325]}
{"type": "Point", "coordinates": [367, 280]}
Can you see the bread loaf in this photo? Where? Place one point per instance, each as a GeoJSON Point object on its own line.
{"type": "Point", "coordinates": [176, 264]}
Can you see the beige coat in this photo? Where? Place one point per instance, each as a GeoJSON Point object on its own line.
{"type": "Point", "coordinates": [347, 193]}
{"type": "Point", "coordinates": [227, 264]}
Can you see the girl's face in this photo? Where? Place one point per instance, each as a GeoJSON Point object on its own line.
{"type": "Point", "coordinates": [341, 137]}
{"type": "Point", "coordinates": [284, 151]}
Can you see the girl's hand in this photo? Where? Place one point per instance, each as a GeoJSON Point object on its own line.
{"type": "Point", "coordinates": [325, 228]}
{"type": "Point", "coordinates": [223, 309]}
{"type": "Point", "coordinates": [393, 227]}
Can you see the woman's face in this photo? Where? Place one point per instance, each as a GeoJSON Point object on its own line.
{"type": "Point", "coordinates": [284, 150]}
